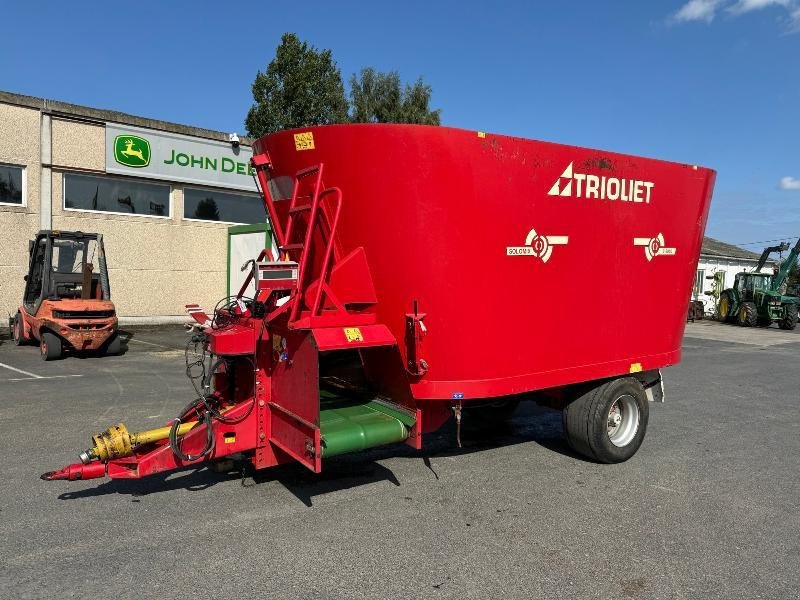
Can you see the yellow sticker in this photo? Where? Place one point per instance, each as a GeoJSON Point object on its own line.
{"type": "Point", "coordinates": [229, 439]}
{"type": "Point", "coordinates": [353, 334]}
{"type": "Point", "coordinates": [635, 368]}
{"type": "Point", "coordinates": [481, 134]}
{"type": "Point", "coordinates": [304, 141]}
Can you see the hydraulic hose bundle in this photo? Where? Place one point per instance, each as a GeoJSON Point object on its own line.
{"type": "Point", "coordinates": [201, 367]}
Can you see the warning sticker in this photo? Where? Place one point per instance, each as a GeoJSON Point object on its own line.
{"type": "Point", "coordinates": [353, 334]}
{"type": "Point", "coordinates": [304, 141]}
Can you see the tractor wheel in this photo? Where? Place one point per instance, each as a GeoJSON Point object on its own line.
{"type": "Point", "coordinates": [113, 346]}
{"type": "Point", "coordinates": [607, 422]}
{"type": "Point", "coordinates": [789, 320]}
{"type": "Point", "coordinates": [724, 308]}
{"type": "Point", "coordinates": [50, 346]}
{"type": "Point", "coordinates": [747, 315]}
{"type": "Point", "coordinates": [19, 331]}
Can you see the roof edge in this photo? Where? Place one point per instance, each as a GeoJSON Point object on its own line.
{"type": "Point", "coordinates": [66, 109]}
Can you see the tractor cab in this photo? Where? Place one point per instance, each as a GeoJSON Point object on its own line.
{"type": "Point", "coordinates": [746, 284]}
{"type": "Point", "coordinates": [67, 301]}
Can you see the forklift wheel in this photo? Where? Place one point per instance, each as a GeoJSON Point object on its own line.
{"type": "Point", "coordinates": [50, 346]}
{"type": "Point", "coordinates": [113, 345]}
{"type": "Point", "coordinates": [19, 331]}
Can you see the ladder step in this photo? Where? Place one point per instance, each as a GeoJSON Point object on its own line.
{"type": "Point", "coordinates": [307, 171]}
{"type": "Point", "coordinates": [293, 247]}
{"type": "Point", "coordinates": [299, 209]}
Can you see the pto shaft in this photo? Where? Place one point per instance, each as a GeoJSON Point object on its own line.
{"type": "Point", "coordinates": [116, 442]}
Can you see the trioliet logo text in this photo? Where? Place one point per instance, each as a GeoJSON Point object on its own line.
{"type": "Point", "coordinates": [581, 185]}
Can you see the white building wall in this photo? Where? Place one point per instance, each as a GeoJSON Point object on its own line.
{"type": "Point", "coordinates": [710, 265]}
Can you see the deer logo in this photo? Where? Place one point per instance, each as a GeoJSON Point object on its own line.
{"type": "Point", "coordinates": [132, 151]}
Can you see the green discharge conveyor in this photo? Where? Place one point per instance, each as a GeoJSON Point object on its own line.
{"type": "Point", "coordinates": [348, 425]}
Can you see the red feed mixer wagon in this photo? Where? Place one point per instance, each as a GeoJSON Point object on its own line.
{"type": "Point", "coordinates": [425, 270]}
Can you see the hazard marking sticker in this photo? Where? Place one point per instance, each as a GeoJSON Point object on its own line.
{"type": "Point", "coordinates": [353, 334]}
{"type": "Point", "coordinates": [304, 141]}
{"type": "Point", "coordinates": [635, 368]}
{"type": "Point", "coordinates": [654, 246]}
{"type": "Point", "coordinates": [540, 246]}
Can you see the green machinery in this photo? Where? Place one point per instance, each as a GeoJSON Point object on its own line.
{"type": "Point", "coordinates": [759, 298]}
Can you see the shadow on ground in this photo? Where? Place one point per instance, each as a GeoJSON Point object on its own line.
{"type": "Point", "coordinates": [532, 424]}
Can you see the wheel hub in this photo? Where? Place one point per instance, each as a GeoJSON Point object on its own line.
{"type": "Point", "coordinates": [623, 420]}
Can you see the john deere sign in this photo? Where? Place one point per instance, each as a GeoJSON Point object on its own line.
{"type": "Point", "coordinates": [132, 151]}
{"type": "Point", "coordinates": [175, 157]}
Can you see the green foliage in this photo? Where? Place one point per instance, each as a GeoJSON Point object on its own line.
{"type": "Point", "coordinates": [380, 98]}
{"type": "Point", "coordinates": [794, 274]}
{"type": "Point", "coordinates": [302, 86]}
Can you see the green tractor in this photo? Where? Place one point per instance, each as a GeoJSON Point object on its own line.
{"type": "Point", "coordinates": [758, 298]}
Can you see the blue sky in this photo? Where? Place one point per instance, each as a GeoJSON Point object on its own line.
{"type": "Point", "coordinates": [712, 82]}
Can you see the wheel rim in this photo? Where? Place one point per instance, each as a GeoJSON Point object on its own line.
{"type": "Point", "coordinates": [44, 347]}
{"type": "Point", "coordinates": [723, 307]}
{"type": "Point", "coordinates": [623, 420]}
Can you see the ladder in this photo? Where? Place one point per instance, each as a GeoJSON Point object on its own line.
{"type": "Point", "coordinates": [311, 220]}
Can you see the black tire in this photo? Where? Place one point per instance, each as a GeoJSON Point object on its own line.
{"type": "Point", "coordinates": [789, 320]}
{"type": "Point", "coordinates": [19, 332]}
{"type": "Point", "coordinates": [747, 316]}
{"type": "Point", "coordinates": [50, 346]}
{"type": "Point", "coordinates": [113, 345]}
{"type": "Point", "coordinates": [726, 316]}
{"type": "Point", "coordinates": [489, 414]}
{"type": "Point", "coordinates": [587, 420]}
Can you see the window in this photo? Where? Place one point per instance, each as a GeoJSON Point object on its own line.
{"type": "Point", "coordinates": [213, 205]}
{"type": "Point", "coordinates": [699, 281]}
{"type": "Point", "coordinates": [115, 195]}
{"type": "Point", "coordinates": [12, 185]}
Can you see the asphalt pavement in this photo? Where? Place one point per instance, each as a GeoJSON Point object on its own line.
{"type": "Point", "coordinates": [708, 508]}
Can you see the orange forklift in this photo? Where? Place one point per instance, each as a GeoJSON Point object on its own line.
{"type": "Point", "coordinates": [67, 304]}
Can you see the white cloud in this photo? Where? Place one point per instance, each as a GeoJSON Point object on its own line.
{"type": "Point", "coordinates": [706, 10]}
{"type": "Point", "coordinates": [789, 183]}
{"type": "Point", "coordinates": [743, 6]}
{"type": "Point", "coordinates": [697, 10]}
{"type": "Point", "coordinates": [794, 21]}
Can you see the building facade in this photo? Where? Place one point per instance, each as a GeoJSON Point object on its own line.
{"type": "Point", "coordinates": [163, 195]}
{"type": "Point", "coordinates": [724, 261]}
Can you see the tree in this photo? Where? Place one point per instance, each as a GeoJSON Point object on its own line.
{"type": "Point", "coordinates": [794, 274]}
{"type": "Point", "coordinates": [379, 98]}
{"type": "Point", "coordinates": [302, 86]}
{"type": "Point", "coordinates": [207, 210]}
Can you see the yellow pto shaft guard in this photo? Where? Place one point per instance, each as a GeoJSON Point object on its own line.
{"type": "Point", "coordinates": [116, 442]}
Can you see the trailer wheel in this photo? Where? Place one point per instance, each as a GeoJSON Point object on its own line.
{"type": "Point", "coordinates": [19, 331]}
{"type": "Point", "coordinates": [789, 320]}
{"type": "Point", "coordinates": [747, 315]}
{"type": "Point", "coordinates": [607, 422]}
{"type": "Point", "coordinates": [50, 346]}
